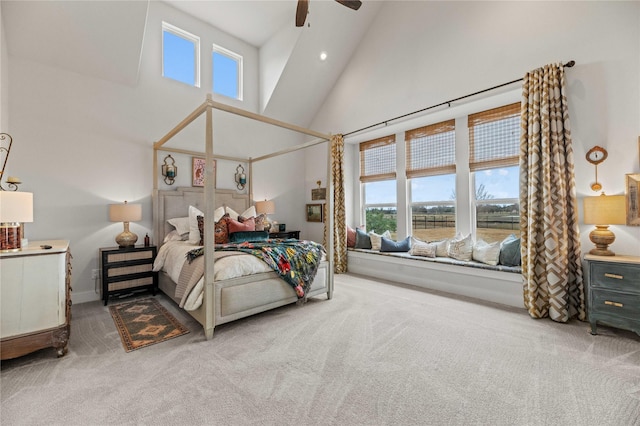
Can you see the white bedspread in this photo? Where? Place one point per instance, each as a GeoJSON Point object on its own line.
{"type": "Point", "coordinates": [171, 257]}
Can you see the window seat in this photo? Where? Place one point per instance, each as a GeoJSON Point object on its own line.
{"type": "Point", "coordinates": [500, 284]}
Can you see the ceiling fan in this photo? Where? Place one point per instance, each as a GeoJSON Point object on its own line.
{"type": "Point", "coordinates": [303, 9]}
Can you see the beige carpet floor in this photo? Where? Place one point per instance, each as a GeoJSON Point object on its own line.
{"type": "Point", "coordinates": [377, 354]}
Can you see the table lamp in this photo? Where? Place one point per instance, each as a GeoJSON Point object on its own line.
{"type": "Point", "coordinates": [15, 209]}
{"type": "Point", "coordinates": [266, 207]}
{"type": "Point", "coordinates": [603, 211]}
{"type": "Point", "coordinates": [125, 213]}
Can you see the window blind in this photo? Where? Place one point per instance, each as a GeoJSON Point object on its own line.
{"type": "Point", "coordinates": [378, 159]}
{"type": "Point", "coordinates": [431, 150]}
{"type": "Point", "coordinates": [494, 137]}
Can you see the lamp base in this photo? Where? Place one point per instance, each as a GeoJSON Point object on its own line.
{"type": "Point", "coordinates": [10, 237]}
{"type": "Point", "coordinates": [602, 238]}
{"type": "Point", "coordinates": [126, 238]}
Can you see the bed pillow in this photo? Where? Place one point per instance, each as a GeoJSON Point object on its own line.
{"type": "Point", "coordinates": [245, 236]}
{"type": "Point", "coordinates": [180, 223]}
{"type": "Point", "coordinates": [376, 239]}
{"type": "Point", "coordinates": [485, 252]}
{"type": "Point", "coordinates": [351, 237]}
{"type": "Point", "coordinates": [388, 245]}
{"type": "Point", "coordinates": [259, 220]}
{"type": "Point", "coordinates": [421, 248]}
{"type": "Point", "coordinates": [194, 230]}
{"type": "Point", "coordinates": [461, 248]}
{"type": "Point", "coordinates": [510, 251]}
{"type": "Point", "coordinates": [173, 236]}
{"type": "Point", "coordinates": [220, 232]}
{"type": "Point", "coordinates": [362, 239]}
{"type": "Point", "coordinates": [237, 226]}
{"type": "Point", "coordinates": [442, 248]}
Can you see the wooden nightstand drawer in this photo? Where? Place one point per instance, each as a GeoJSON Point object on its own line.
{"type": "Point", "coordinates": [621, 304]}
{"type": "Point", "coordinates": [619, 277]}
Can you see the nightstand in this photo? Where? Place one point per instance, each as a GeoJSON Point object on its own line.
{"type": "Point", "coordinates": [36, 300]}
{"type": "Point", "coordinates": [613, 291]}
{"type": "Point", "coordinates": [125, 270]}
{"type": "Point", "coordinates": [285, 234]}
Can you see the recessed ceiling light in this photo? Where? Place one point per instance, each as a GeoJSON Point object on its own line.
{"type": "Point", "coordinates": [323, 56]}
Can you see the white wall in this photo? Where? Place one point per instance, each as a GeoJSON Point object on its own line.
{"type": "Point", "coordinates": [418, 54]}
{"type": "Point", "coordinates": [81, 143]}
{"type": "Point", "coordinates": [4, 79]}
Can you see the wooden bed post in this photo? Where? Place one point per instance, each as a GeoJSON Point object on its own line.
{"type": "Point", "coordinates": [330, 221]}
{"type": "Point", "coordinates": [209, 224]}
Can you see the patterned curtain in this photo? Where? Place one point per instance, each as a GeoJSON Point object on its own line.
{"type": "Point", "coordinates": [551, 265]}
{"type": "Point", "coordinates": [339, 221]}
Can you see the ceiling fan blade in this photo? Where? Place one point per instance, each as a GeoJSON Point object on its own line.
{"type": "Point", "coordinates": [351, 4]}
{"type": "Point", "coordinates": [301, 12]}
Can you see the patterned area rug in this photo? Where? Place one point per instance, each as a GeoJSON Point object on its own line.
{"type": "Point", "coordinates": [144, 322]}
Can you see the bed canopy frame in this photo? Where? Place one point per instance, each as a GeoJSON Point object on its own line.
{"type": "Point", "coordinates": [207, 108]}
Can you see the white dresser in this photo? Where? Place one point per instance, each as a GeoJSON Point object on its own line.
{"type": "Point", "coordinates": [35, 299]}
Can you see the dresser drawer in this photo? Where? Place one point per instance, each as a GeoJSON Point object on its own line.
{"type": "Point", "coordinates": [615, 303]}
{"type": "Point", "coordinates": [615, 276]}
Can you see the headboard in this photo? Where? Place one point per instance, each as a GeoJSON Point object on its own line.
{"type": "Point", "coordinates": [175, 203]}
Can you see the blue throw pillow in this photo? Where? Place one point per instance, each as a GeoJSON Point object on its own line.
{"type": "Point", "coordinates": [510, 251]}
{"type": "Point", "coordinates": [363, 241]}
{"type": "Point", "coordinates": [389, 245]}
{"type": "Point", "coordinates": [244, 236]}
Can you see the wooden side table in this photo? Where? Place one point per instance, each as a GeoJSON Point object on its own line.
{"type": "Point", "coordinates": [285, 234]}
{"type": "Point", "coordinates": [35, 296]}
{"type": "Point", "coordinates": [613, 292]}
{"type": "Point", "coordinates": [125, 270]}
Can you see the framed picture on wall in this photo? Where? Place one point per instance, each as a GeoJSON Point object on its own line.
{"type": "Point", "coordinates": [633, 199]}
{"type": "Point", "coordinates": [197, 173]}
{"type": "Point", "coordinates": [314, 213]}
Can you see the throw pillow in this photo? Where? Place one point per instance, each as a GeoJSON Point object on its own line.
{"type": "Point", "coordinates": [461, 248]}
{"type": "Point", "coordinates": [181, 224]}
{"type": "Point", "coordinates": [485, 252]}
{"type": "Point", "coordinates": [388, 245]}
{"type": "Point", "coordinates": [351, 237]}
{"type": "Point", "coordinates": [245, 236]}
{"type": "Point", "coordinates": [231, 212]}
{"type": "Point", "coordinates": [194, 230]}
{"type": "Point", "coordinates": [362, 239]}
{"type": "Point", "coordinates": [442, 248]}
{"type": "Point", "coordinates": [376, 239]}
{"type": "Point", "coordinates": [236, 226]}
{"type": "Point", "coordinates": [258, 220]}
{"type": "Point", "coordinates": [220, 233]}
{"type": "Point", "coordinates": [510, 251]}
{"type": "Point", "coordinates": [421, 248]}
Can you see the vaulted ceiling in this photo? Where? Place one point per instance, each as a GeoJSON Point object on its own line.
{"type": "Point", "coordinates": [105, 39]}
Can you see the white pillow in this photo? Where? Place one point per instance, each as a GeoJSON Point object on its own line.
{"type": "Point", "coordinates": [420, 248]}
{"type": "Point", "coordinates": [194, 231]}
{"type": "Point", "coordinates": [461, 248]}
{"type": "Point", "coordinates": [248, 213]}
{"type": "Point", "coordinates": [488, 253]}
{"type": "Point", "coordinates": [442, 248]}
{"type": "Point", "coordinates": [181, 224]}
{"type": "Point", "coordinates": [173, 236]}
{"type": "Point", "coordinates": [376, 239]}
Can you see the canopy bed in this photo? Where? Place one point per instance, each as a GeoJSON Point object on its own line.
{"type": "Point", "coordinates": [219, 297]}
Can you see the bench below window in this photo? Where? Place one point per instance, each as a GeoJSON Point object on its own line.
{"type": "Point", "coordinates": [500, 284]}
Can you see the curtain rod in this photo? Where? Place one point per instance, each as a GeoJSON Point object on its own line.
{"type": "Point", "coordinates": [567, 65]}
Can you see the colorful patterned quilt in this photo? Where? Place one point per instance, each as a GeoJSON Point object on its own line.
{"type": "Point", "coordinates": [296, 261]}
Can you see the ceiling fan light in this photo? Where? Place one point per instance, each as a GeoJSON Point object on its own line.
{"type": "Point", "coordinates": [323, 55]}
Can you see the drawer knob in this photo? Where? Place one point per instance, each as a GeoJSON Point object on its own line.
{"type": "Point", "coordinates": [616, 276]}
{"type": "Point", "coordinates": [616, 304]}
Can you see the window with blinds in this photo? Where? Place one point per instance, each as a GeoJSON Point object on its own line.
{"type": "Point", "coordinates": [494, 137]}
{"type": "Point", "coordinates": [378, 159]}
{"type": "Point", "coordinates": [431, 150]}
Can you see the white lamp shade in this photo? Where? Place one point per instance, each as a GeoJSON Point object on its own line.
{"type": "Point", "coordinates": [16, 206]}
{"type": "Point", "coordinates": [266, 207]}
{"type": "Point", "coordinates": [605, 210]}
{"type": "Point", "coordinates": [125, 212]}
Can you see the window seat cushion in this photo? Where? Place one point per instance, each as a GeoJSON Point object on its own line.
{"type": "Point", "coordinates": [445, 260]}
